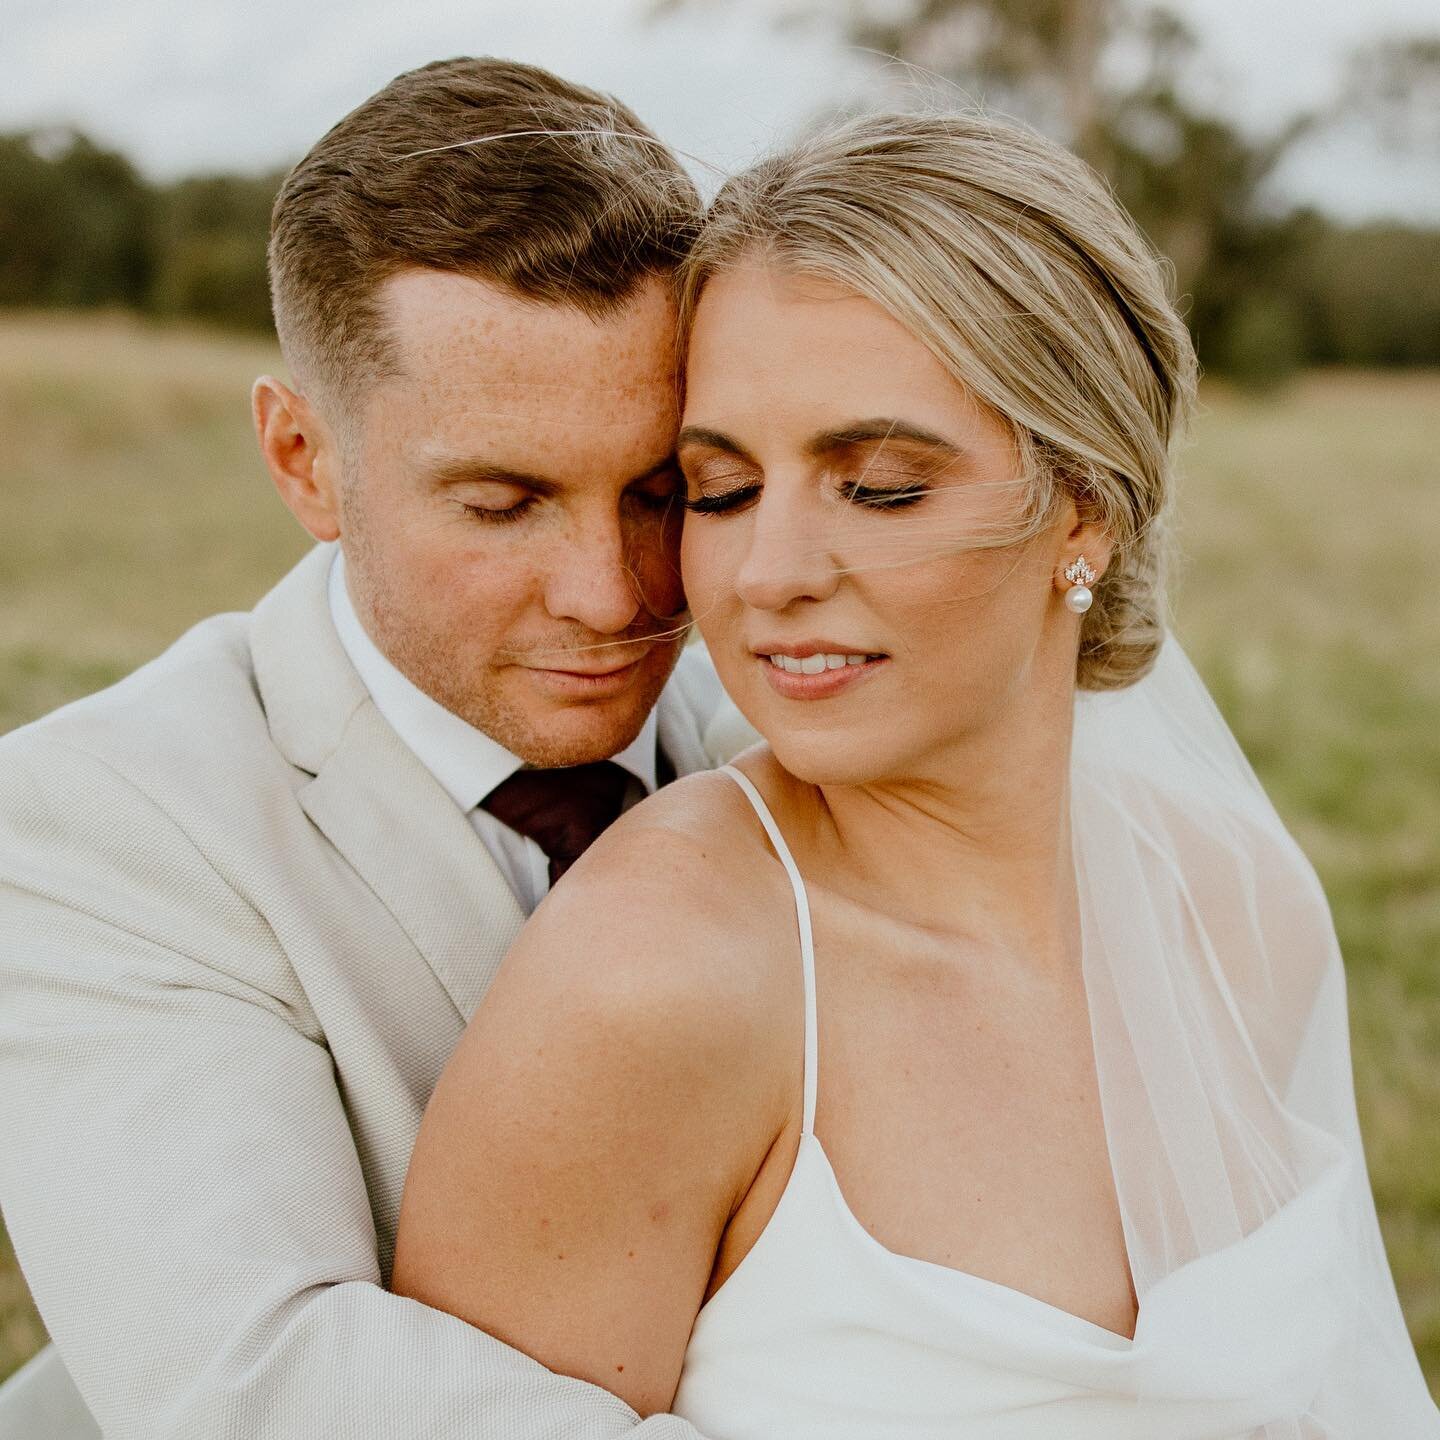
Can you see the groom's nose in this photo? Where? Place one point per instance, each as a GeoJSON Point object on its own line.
{"type": "Point", "coordinates": [589, 577]}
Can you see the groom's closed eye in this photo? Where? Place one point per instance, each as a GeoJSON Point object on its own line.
{"type": "Point", "coordinates": [658, 490]}
{"type": "Point", "coordinates": [496, 500]}
{"type": "Point", "coordinates": [492, 494]}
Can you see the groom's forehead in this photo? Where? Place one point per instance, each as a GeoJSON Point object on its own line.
{"type": "Point", "coordinates": [544, 387]}
{"type": "Point", "coordinates": [458, 331]}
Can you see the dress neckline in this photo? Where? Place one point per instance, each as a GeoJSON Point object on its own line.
{"type": "Point", "coordinates": [965, 1279]}
{"type": "Point", "coordinates": [1008, 1294]}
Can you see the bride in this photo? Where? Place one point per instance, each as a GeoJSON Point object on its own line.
{"type": "Point", "coordinates": [970, 1058]}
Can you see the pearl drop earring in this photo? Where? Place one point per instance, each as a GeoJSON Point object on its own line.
{"type": "Point", "coordinates": [1081, 576]}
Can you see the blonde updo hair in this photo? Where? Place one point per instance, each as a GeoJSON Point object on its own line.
{"type": "Point", "coordinates": [1009, 259]}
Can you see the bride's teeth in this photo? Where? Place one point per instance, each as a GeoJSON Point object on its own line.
{"type": "Point", "coordinates": [815, 664]}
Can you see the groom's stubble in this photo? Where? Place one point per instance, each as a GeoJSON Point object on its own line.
{"type": "Point", "coordinates": [480, 610]}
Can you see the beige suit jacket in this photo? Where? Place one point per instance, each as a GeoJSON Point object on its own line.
{"type": "Point", "coordinates": [241, 930]}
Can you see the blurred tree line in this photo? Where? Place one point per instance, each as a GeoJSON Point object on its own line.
{"type": "Point", "coordinates": [80, 226]}
{"type": "Point", "coordinates": [1266, 289]}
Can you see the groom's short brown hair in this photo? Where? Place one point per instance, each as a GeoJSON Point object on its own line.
{"type": "Point", "coordinates": [479, 166]}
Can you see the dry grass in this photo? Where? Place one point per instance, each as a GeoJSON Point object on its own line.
{"type": "Point", "coordinates": [134, 504]}
{"type": "Point", "coordinates": [1309, 602]}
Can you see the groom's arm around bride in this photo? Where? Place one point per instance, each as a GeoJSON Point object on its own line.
{"type": "Point", "coordinates": [250, 896]}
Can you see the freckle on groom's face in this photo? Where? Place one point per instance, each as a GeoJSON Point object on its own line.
{"type": "Point", "coordinates": [511, 517]}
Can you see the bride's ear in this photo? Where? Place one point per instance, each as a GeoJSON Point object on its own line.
{"type": "Point", "coordinates": [1082, 538]}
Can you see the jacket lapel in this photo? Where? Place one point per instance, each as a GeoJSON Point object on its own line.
{"type": "Point", "coordinates": [389, 817]}
{"type": "Point", "coordinates": [371, 797]}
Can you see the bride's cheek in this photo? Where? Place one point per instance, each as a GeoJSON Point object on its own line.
{"type": "Point", "coordinates": [704, 567]}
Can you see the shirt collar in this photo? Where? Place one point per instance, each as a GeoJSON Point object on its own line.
{"type": "Point", "coordinates": [467, 762]}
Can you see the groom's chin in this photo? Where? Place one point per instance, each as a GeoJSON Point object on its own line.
{"type": "Point", "coordinates": [552, 721]}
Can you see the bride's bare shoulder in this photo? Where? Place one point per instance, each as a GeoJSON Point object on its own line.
{"type": "Point", "coordinates": [630, 1069]}
{"type": "Point", "coordinates": [693, 853]}
{"type": "Point", "coordinates": [678, 912]}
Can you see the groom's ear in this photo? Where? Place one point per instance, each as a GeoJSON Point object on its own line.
{"type": "Point", "coordinates": [301, 453]}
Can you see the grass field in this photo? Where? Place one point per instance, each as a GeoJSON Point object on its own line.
{"type": "Point", "coordinates": [132, 503]}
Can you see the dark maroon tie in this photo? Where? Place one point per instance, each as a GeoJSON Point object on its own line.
{"type": "Point", "coordinates": [562, 811]}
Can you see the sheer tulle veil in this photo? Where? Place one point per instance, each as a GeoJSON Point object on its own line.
{"type": "Point", "coordinates": [1217, 1001]}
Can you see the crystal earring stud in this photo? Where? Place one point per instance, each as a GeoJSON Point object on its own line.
{"type": "Point", "coordinates": [1081, 575]}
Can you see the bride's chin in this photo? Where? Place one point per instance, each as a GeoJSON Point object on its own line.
{"type": "Point", "coordinates": [851, 759]}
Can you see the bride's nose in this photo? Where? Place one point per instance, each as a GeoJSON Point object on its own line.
{"type": "Point", "coordinates": [789, 556]}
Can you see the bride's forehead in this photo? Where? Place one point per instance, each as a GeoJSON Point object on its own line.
{"type": "Point", "coordinates": [805, 354]}
{"type": "Point", "coordinates": [792, 304]}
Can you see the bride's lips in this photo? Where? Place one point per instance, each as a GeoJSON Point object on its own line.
{"type": "Point", "coordinates": [832, 680]}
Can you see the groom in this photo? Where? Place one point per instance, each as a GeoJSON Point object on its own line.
{"type": "Point", "coordinates": [249, 896]}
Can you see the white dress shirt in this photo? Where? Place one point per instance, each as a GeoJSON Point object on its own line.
{"type": "Point", "coordinates": [468, 763]}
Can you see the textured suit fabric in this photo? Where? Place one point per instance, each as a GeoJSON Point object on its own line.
{"type": "Point", "coordinates": [241, 930]}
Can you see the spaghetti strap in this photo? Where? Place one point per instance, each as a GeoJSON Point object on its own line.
{"type": "Point", "coordinates": [807, 938]}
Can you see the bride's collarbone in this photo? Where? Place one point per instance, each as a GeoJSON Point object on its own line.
{"type": "Point", "coordinates": [959, 1111]}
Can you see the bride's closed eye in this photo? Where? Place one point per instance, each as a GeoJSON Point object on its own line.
{"type": "Point", "coordinates": [722, 502]}
{"type": "Point", "coordinates": [886, 497]}
{"type": "Point", "coordinates": [876, 497]}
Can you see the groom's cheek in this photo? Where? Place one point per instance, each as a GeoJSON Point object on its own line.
{"type": "Point", "coordinates": [654, 562]}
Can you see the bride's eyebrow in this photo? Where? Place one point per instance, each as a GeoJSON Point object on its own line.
{"type": "Point", "coordinates": [864, 432]}
{"type": "Point", "coordinates": [712, 440]}
{"type": "Point", "coordinates": [826, 442]}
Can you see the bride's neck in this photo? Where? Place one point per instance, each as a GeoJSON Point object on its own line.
{"type": "Point", "coordinates": [976, 841]}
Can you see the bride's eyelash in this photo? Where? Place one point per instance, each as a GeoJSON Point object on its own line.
{"type": "Point", "coordinates": [883, 497]}
{"type": "Point", "coordinates": [877, 497]}
{"type": "Point", "coordinates": [722, 503]}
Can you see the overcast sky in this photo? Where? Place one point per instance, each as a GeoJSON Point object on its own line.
{"type": "Point", "coordinates": [187, 85]}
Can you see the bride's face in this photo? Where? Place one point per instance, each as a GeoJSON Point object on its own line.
{"type": "Point", "coordinates": [837, 477]}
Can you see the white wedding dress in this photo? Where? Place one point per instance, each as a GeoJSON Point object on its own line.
{"type": "Point", "coordinates": [822, 1333]}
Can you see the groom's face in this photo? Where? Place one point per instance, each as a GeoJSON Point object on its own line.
{"type": "Point", "coordinates": [509, 514]}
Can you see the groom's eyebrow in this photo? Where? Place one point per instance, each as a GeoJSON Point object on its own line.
{"type": "Point", "coordinates": [462, 472]}
{"type": "Point", "coordinates": [473, 472]}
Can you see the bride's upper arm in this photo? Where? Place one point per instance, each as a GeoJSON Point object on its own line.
{"type": "Point", "coordinates": [603, 1115]}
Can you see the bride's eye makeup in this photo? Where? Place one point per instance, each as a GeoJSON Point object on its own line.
{"type": "Point", "coordinates": [880, 465]}
{"type": "Point", "coordinates": [881, 498]}
{"type": "Point", "coordinates": [721, 502]}
{"type": "Point", "coordinates": [720, 485]}
{"type": "Point", "coordinates": [882, 480]}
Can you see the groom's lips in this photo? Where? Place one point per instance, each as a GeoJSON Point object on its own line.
{"type": "Point", "coordinates": [588, 682]}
